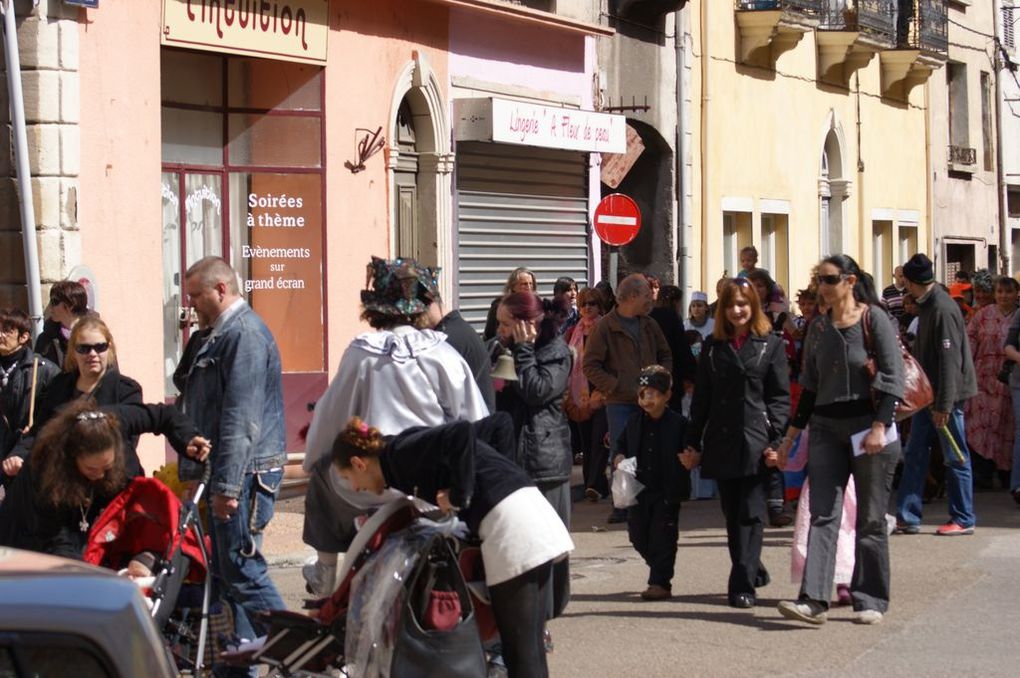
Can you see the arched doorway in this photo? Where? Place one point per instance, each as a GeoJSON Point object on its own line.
{"type": "Point", "coordinates": [833, 190]}
{"type": "Point", "coordinates": [420, 164]}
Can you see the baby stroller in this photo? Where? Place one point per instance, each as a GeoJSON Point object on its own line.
{"type": "Point", "coordinates": [148, 517]}
{"type": "Point", "coordinates": [410, 601]}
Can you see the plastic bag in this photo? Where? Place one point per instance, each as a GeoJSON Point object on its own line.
{"type": "Point", "coordinates": [626, 487]}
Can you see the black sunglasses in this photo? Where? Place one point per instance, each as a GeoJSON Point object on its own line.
{"type": "Point", "coordinates": [833, 279]}
{"type": "Point", "coordinates": [85, 349]}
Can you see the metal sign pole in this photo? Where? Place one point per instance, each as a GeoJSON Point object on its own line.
{"type": "Point", "coordinates": [17, 103]}
{"type": "Point", "coordinates": [614, 266]}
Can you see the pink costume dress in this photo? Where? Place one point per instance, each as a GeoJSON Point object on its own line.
{"type": "Point", "coordinates": [845, 542]}
{"type": "Point", "coordinates": [989, 414]}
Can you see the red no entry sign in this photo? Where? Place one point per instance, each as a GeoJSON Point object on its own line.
{"type": "Point", "coordinates": [617, 219]}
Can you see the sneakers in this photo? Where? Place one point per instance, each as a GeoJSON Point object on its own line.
{"type": "Point", "coordinates": [808, 611]}
{"type": "Point", "coordinates": [592, 495]}
{"type": "Point", "coordinates": [868, 617]}
{"type": "Point", "coordinates": [952, 529]}
{"type": "Point", "coordinates": [656, 592]}
{"type": "Point", "coordinates": [320, 579]}
{"type": "Point", "coordinates": [907, 528]}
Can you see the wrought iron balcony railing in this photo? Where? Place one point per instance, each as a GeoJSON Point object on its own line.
{"type": "Point", "coordinates": [962, 155]}
{"type": "Point", "coordinates": [810, 7]}
{"type": "Point", "coordinates": [924, 25]}
{"type": "Point", "coordinates": [876, 18]}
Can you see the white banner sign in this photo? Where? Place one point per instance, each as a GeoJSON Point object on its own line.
{"type": "Point", "coordinates": [518, 122]}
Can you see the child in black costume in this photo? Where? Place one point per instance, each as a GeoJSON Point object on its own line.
{"type": "Point", "coordinates": [655, 436]}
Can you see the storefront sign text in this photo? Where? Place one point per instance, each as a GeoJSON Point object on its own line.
{"type": "Point", "coordinates": [292, 30]}
{"type": "Point", "coordinates": [516, 122]}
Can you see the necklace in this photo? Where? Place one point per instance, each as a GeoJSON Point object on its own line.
{"type": "Point", "coordinates": [83, 525]}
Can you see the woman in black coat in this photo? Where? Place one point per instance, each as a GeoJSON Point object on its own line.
{"type": "Point", "coordinates": [738, 414]}
{"type": "Point", "coordinates": [529, 325]}
{"type": "Point", "coordinates": [90, 372]}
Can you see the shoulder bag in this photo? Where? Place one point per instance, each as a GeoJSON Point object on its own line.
{"type": "Point", "coordinates": [917, 393]}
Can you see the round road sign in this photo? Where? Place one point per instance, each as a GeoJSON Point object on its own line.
{"type": "Point", "coordinates": [617, 219]}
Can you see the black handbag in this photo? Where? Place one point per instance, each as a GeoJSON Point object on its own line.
{"type": "Point", "coordinates": [453, 651]}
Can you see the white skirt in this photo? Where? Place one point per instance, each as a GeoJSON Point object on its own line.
{"type": "Point", "coordinates": [519, 534]}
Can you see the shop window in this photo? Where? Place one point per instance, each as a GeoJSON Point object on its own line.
{"type": "Point", "coordinates": [243, 178]}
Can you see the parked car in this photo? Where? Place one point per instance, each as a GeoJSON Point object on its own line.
{"type": "Point", "coordinates": [61, 617]}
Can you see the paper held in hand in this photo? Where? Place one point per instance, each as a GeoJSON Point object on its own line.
{"type": "Point", "coordinates": [857, 439]}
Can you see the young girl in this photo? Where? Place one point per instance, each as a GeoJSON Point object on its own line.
{"type": "Point", "coordinates": [521, 535]}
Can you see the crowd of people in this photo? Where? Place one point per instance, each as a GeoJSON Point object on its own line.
{"type": "Point", "coordinates": [727, 397]}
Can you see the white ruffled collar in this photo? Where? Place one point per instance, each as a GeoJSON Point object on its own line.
{"type": "Point", "coordinates": [401, 344]}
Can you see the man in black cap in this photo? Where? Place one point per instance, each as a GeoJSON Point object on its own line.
{"type": "Point", "coordinates": [941, 349]}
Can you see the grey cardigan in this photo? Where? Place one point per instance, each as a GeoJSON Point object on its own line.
{"type": "Point", "coordinates": [834, 360]}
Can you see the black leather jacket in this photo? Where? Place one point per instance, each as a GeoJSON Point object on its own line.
{"type": "Point", "coordinates": [15, 398]}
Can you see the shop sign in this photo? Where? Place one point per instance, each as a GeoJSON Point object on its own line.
{"type": "Point", "coordinates": [528, 124]}
{"type": "Point", "coordinates": [282, 263]}
{"type": "Point", "coordinates": [291, 30]}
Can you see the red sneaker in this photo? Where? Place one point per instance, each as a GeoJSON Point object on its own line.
{"type": "Point", "coordinates": [952, 529]}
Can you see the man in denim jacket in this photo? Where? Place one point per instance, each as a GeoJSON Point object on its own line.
{"type": "Point", "coordinates": [232, 392]}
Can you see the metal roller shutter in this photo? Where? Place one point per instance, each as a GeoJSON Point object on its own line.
{"type": "Point", "coordinates": [518, 206]}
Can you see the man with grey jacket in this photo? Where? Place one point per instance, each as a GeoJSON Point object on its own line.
{"type": "Point", "coordinates": [942, 350]}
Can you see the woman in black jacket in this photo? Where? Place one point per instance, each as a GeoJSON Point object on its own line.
{"type": "Point", "coordinates": [529, 326]}
{"type": "Point", "coordinates": [90, 373]}
{"type": "Point", "coordinates": [77, 468]}
{"type": "Point", "coordinates": [738, 414]}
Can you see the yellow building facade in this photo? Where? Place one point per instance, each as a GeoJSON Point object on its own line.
{"type": "Point", "coordinates": [809, 136]}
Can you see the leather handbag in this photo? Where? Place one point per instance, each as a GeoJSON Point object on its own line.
{"type": "Point", "coordinates": [437, 635]}
{"type": "Point", "coordinates": [917, 392]}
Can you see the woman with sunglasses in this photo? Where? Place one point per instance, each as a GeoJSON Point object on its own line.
{"type": "Point", "coordinates": [90, 372]}
{"type": "Point", "coordinates": [840, 399]}
{"type": "Point", "coordinates": [68, 303]}
{"type": "Point", "coordinates": [739, 410]}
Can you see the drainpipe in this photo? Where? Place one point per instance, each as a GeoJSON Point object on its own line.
{"type": "Point", "coordinates": [17, 103]}
{"type": "Point", "coordinates": [1005, 241]}
{"type": "Point", "coordinates": [681, 155]}
{"type": "Point", "coordinates": [705, 99]}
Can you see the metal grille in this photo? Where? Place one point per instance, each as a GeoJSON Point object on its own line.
{"type": "Point", "coordinates": [518, 206]}
{"type": "Point", "coordinates": [873, 17]}
{"type": "Point", "coordinates": [806, 6]}
{"type": "Point", "coordinates": [923, 24]}
{"type": "Point", "coordinates": [1008, 27]}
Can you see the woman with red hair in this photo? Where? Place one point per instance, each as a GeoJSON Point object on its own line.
{"type": "Point", "coordinates": [529, 326]}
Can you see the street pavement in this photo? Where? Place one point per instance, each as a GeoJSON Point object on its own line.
{"type": "Point", "coordinates": [955, 607]}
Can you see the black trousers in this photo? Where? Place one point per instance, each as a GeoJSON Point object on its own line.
{"type": "Point", "coordinates": [519, 606]}
{"type": "Point", "coordinates": [743, 505]}
{"type": "Point", "coordinates": [596, 454]}
{"type": "Point", "coordinates": [652, 528]}
{"type": "Point", "coordinates": [776, 490]}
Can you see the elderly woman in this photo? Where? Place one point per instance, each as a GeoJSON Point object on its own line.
{"type": "Point", "coordinates": [395, 377]}
{"type": "Point", "coordinates": [584, 404]}
{"type": "Point", "coordinates": [90, 372]}
{"type": "Point", "coordinates": [521, 279]}
{"type": "Point", "coordinates": [989, 414]}
{"type": "Point", "coordinates": [78, 466]}
{"type": "Point", "coordinates": [542, 360]}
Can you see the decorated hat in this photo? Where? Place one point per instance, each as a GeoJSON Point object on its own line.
{"type": "Point", "coordinates": [399, 287]}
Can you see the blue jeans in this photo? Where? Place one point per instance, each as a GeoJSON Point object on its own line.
{"type": "Point", "coordinates": [959, 480]}
{"type": "Point", "coordinates": [241, 571]}
{"type": "Point", "coordinates": [617, 416]}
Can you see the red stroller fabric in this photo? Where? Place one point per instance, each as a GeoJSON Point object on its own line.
{"type": "Point", "coordinates": [144, 517]}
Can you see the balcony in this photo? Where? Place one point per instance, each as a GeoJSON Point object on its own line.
{"type": "Point", "coordinates": [850, 33]}
{"type": "Point", "coordinates": [645, 12]}
{"type": "Point", "coordinates": [922, 41]}
{"type": "Point", "coordinates": [768, 28]}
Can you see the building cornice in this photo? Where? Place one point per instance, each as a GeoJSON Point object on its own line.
{"type": "Point", "coordinates": [528, 15]}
